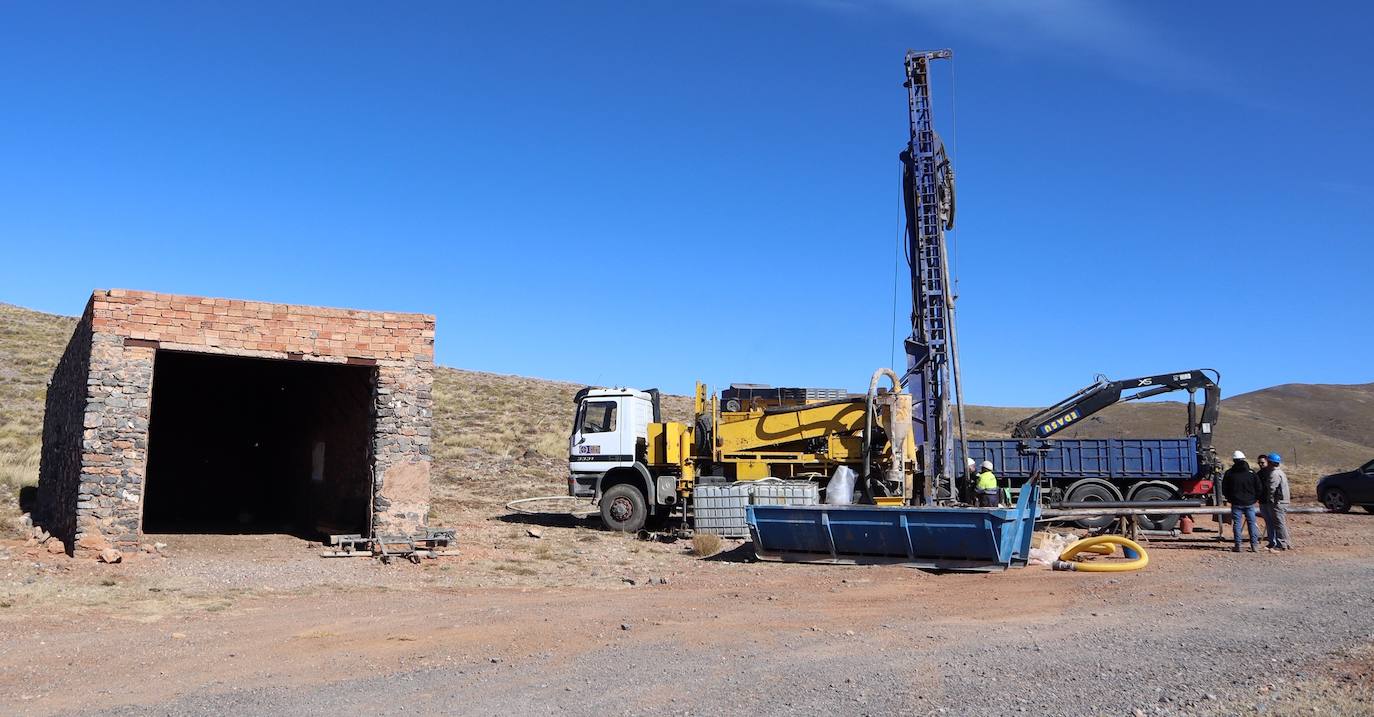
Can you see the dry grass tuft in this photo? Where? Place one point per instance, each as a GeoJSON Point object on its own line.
{"type": "Point", "coordinates": [704, 545]}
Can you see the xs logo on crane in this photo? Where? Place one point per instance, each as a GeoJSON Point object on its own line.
{"type": "Point", "coordinates": [1059, 423]}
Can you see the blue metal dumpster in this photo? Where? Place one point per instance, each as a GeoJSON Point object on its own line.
{"type": "Point", "coordinates": [976, 539]}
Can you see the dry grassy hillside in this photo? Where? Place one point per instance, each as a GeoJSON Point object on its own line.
{"type": "Point", "coordinates": [31, 342]}
{"type": "Point", "coordinates": [492, 415]}
{"type": "Point", "coordinates": [1340, 412]}
{"type": "Point", "coordinates": [498, 437]}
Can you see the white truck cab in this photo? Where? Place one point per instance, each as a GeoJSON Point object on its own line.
{"type": "Point", "coordinates": [607, 449]}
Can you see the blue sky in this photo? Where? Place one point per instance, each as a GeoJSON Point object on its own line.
{"type": "Point", "coordinates": [650, 193]}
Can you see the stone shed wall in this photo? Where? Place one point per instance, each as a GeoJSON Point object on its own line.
{"type": "Point", "coordinates": [59, 470]}
{"type": "Point", "coordinates": [105, 381]}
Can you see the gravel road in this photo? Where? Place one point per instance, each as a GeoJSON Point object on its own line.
{"type": "Point", "coordinates": [1202, 631]}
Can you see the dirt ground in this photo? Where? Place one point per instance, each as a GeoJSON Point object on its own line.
{"type": "Point", "coordinates": [588, 622]}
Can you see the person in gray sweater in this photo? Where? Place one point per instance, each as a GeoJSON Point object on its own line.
{"type": "Point", "coordinates": [1279, 496]}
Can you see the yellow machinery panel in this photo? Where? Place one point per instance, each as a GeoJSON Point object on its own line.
{"type": "Point", "coordinates": [670, 444]}
{"type": "Point", "coordinates": [761, 430]}
{"type": "Point", "coordinates": [751, 470]}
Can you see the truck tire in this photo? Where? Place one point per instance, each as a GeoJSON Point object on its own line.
{"type": "Point", "coordinates": [1092, 491]}
{"type": "Point", "coordinates": [1155, 492]}
{"type": "Point", "coordinates": [623, 508]}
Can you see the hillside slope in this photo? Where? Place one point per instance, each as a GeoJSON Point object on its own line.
{"type": "Point", "coordinates": [31, 342]}
{"type": "Point", "coordinates": [497, 437]}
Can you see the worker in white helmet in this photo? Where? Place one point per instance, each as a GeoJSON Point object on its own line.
{"type": "Point", "coordinates": [986, 484]}
{"type": "Point", "coordinates": [1242, 488]}
{"type": "Point", "coordinates": [966, 481]}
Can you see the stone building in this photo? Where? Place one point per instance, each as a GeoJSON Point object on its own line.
{"type": "Point", "coordinates": [187, 414]}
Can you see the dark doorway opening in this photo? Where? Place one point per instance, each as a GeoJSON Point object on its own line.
{"type": "Point", "coordinates": [244, 445]}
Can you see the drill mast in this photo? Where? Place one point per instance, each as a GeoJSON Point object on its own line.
{"type": "Point", "coordinates": [932, 358]}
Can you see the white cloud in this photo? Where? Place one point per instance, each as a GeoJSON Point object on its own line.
{"type": "Point", "coordinates": [1104, 33]}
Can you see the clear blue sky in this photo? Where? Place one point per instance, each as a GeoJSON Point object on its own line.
{"type": "Point", "coordinates": [648, 193]}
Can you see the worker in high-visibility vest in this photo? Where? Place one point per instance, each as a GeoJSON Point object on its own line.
{"type": "Point", "coordinates": [986, 485]}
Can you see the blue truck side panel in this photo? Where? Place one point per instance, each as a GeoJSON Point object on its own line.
{"type": "Point", "coordinates": [1120, 459]}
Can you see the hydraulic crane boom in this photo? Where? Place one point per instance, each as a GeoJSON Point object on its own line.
{"type": "Point", "coordinates": [928, 196]}
{"type": "Point", "coordinates": [1103, 393]}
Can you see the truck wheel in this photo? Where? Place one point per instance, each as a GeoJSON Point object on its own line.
{"type": "Point", "coordinates": [1092, 491]}
{"type": "Point", "coordinates": [623, 508]}
{"type": "Point", "coordinates": [1156, 521]}
{"type": "Point", "coordinates": [1336, 500]}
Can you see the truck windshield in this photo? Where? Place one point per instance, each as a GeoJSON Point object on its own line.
{"type": "Point", "coordinates": [598, 417]}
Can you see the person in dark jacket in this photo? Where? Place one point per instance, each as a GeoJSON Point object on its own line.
{"type": "Point", "coordinates": [1243, 489]}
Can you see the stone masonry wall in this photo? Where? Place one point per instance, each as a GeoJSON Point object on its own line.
{"type": "Point", "coordinates": [101, 503]}
{"type": "Point", "coordinates": [401, 449]}
{"type": "Point", "coordinates": [114, 446]}
{"type": "Point", "coordinates": [60, 467]}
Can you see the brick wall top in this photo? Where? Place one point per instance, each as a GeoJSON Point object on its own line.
{"type": "Point", "coordinates": [256, 328]}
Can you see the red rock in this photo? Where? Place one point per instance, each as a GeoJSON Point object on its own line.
{"type": "Point", "coordinates": [94, 542]}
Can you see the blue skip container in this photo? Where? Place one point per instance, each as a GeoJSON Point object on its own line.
{"type": "Point", "coordinates": [967, 539]}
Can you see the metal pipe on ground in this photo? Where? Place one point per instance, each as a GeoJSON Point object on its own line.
{"type": "Point", "coordinates": [1052, 514]}
{"type": "Point", "coordinates": [1058, 514]}
{"type": "Point", "coordinates": [1096, 504]}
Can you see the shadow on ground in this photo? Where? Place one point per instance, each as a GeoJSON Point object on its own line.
{"type": "Point", "coordinates": [549, 520]}
{"type": "Point", "coordinates": [743, 553]}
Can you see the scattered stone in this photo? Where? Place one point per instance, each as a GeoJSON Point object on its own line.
{"type": "Point", "coordinates": [178, 636]}
{"type": "Point", "coordinates": [495, 660]}
{"type": "Point", "coordinates": [110, 555]}
{"type": "Point", "coordinates": [56, 547]}
{"type": "Point", "coordinates": [40, 535]}
{"type": "Point", "coordinates": [625, 626]}
{"type": "Point", "coordinates": [534, 532]}
{"type": "Point", "coordinates": [92, 542]}
{"type": "Point", "coordinates": [630, 581]}
{"type": "Point", "coordinates": [663, 581]}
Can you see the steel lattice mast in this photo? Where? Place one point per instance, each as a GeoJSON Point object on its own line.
{"type": "Point", "coordinates": [928, 195]}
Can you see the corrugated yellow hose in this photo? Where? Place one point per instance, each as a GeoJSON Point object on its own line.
{"type": "Point", "coordinates": [1102, 545]}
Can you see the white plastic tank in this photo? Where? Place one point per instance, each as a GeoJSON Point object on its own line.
{"type": "Point", "coordinates": [786, 492]}
{"type": "Point", "coordinates": [720, 509]}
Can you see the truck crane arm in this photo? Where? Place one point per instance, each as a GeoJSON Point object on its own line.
{"type": "Point", "coordinates": [1103, 393]}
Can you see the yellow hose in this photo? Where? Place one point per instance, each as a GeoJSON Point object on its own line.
{"type": "Point", "coordinates": [1096, 545]}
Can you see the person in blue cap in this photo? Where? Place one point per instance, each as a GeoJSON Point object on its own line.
{"type": "Point", "coordinates": [1279, 496]}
